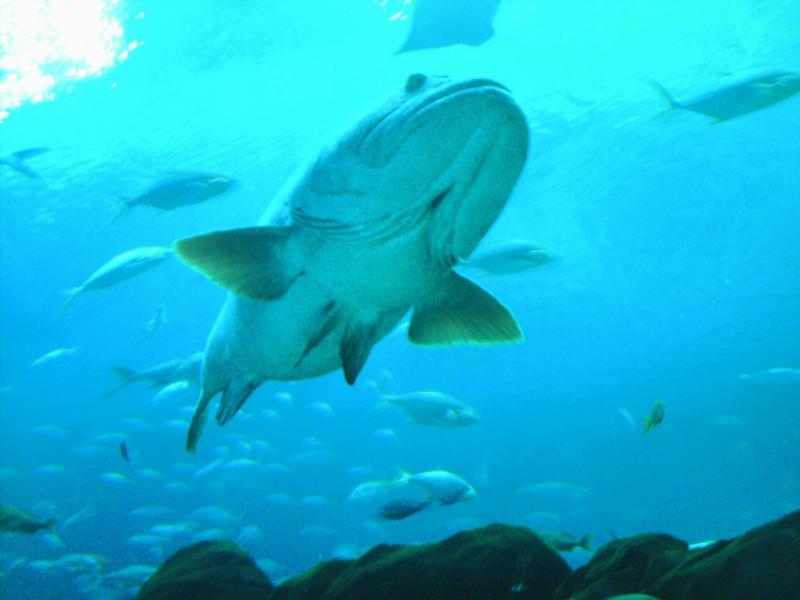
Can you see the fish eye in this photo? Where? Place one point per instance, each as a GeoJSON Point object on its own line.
{"type": "Point", "coordinates": [415, 81]}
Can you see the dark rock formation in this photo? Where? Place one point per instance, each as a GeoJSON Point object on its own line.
{"type": "Point", "coordinates": [498, 561]}
{"type": "Point", "coordinates": [763, 564]}
{"type": "Point", "coordinates": [215, 570]}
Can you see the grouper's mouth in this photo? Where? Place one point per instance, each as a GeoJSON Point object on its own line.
{"type": "Point", "coordinates": [381, 141]}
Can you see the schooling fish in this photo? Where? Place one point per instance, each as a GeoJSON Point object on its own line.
{"type": "Point", "coordinates": [17, 520]}
{"type": "Point", "coordinates": [739, 98]}
{"type": "Point", "coordinates": [368, 230]}
{"type": "Point", "coordinates": [184, 368]}
{"type": "Point", "coordinates": [180, 189]}
{"type": "Point", "coordinates": [123, 451]}
{"type": "Point", "coordinates": [53, 355]}
{"type": "Point", "coordinates": [655, 418]}
{"type": "Point", "coordinates": [511, 256]}
{"type": "Point", "coordinates": [561, 541]}
{"type": "Point", "coordinates": [17, 160]}
{"type": "Point", "coordinates": [439, 23]}
{"type": "Point", "coordinates": [429, 407]}
{"type": "Point", "coordinates": [396, 510]}
{"type": "Point", "coordinates": [118, 269]}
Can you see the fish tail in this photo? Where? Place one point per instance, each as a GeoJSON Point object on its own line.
{"type": "Point", "coordinates": [72, 293]}
{"type": "Point", "coordinates": [586, 542]}
{"type": "Point", "coordinates": [648, 424]}
{"type": "Point", "coordinates": [50, 524]}
{"type": "Point", "coordinates": [20, 167]}
{"type": "Point", "coordinates": [402, 479]}
{"type": "Point", "coordinates": [662, 91]}
{"type": "Point", "coordinates": [127, 376]}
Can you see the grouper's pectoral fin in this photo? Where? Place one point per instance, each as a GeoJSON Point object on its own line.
{"type": "Point", "coordinates": [252, 261]}
{"type": "Point", "coordinates": [359, 337]}
{"type": "Point", "coordinates": [464, 313]}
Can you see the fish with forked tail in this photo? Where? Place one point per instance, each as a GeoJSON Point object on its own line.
{"type": "Point", "coordinates": [118, 269]}
{"type": "Point", "coordinates": [178, 190]}
{"type": "Point", "coordinates": [368, 230]}
{"type": "Point", "coordinates": [739, 98]}
{"type": "Point", "coordinates": [17, 161]}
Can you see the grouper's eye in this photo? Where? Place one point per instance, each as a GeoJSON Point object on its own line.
{"type": "Point", "coordinates": [415, 81]}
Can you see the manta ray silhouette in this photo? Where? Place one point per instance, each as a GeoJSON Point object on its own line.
{"type": "Point", "coordinates": [440, 23]}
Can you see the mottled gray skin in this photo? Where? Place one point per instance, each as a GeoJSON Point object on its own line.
{"type": "Point", "coordinates": [740, 98]}
{"type": "Point", "coordinates": [16, 520]}
{"type": "Point", "coordinates": [372, 227]}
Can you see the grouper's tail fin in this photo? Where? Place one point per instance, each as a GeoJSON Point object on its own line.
{"type": "Point", "coordinates": [667, 97]}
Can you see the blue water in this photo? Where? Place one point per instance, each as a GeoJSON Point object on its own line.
{"type": "Point", "coordinates": [678, 270]}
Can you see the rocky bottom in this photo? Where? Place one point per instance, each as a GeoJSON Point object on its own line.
{"type": "Point", "coordinates": [506, 563]}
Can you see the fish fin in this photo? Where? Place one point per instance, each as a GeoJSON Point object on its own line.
{"type": "Point", "coordinates": [20, 167]}
{"type": "Point", "coordinates": [330, 319]}
{"type": "Point", "coordinates": [30, 152]}
{"type": "Point", "coordinates": [72, 293]}
{"type": "Point", "coordinates": [198, 421]}
{"type": "Point", "coordinates": [124, 373]}
{"type": "Point", "coordinates": [249, 261]}
{"type": "Point", "coordinates": [466, 313]}
{"type": "Point", "coordinates": [233, 398]}
{"type": "Point", "coordinates": [119, 212]}
{"type": "Point", "coordinates": [648, 424]}
{"type": "Point", "coordinates": [359, 337]}
{"type": "Point", "coordinates": [667, 97]}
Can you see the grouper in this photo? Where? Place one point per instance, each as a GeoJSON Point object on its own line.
{"type": "Point", "coordinates": [369, 229]}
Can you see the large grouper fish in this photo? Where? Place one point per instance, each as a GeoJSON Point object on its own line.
{"type": "Point", "coordinates": [369, 229]}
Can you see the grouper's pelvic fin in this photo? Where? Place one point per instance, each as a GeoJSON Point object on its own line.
{"type": "Point", "coordinates": [233, 398]}
{"type": "Point", "coordinates": [359, 337]}
{"type": "Point", "coordinates": [464, 313]}
{"type": "Point", "coordinates": [198, 420]}
{"type": "Point", "coordinates": [251, 261]}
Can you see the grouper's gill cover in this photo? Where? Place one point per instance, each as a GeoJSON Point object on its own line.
{"type": "Point", "coordinates": [365, 232]}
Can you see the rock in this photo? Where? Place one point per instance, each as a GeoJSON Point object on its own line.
{"type": "Point", "coordinates": [497, 561]}
{"type": "Point", "coordinates": [624, 566]}
{"type": "Point", "coordinates": [213, 570]}
{"type": "Point", "coordinates": [761, 564]}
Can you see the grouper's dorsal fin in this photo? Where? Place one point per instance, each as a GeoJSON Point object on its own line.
{"type": "Point", "coordinates": [250, 261]}
{"type": "Point", "coordinates": [464, 313]}
{"type": "Point", "coordinates": [359, 337]}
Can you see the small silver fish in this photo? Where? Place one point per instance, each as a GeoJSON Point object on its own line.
{"type": "Point", "coordinates": [741, 97]}
{"type": "Point", "coordinates": [118, 269]}
{"type": "Point", "coordinates": [179, 190]}
{"type": "Point", "coordinates": [53, 355]}
{"type": "Point", "coordinates": [511, 256]}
